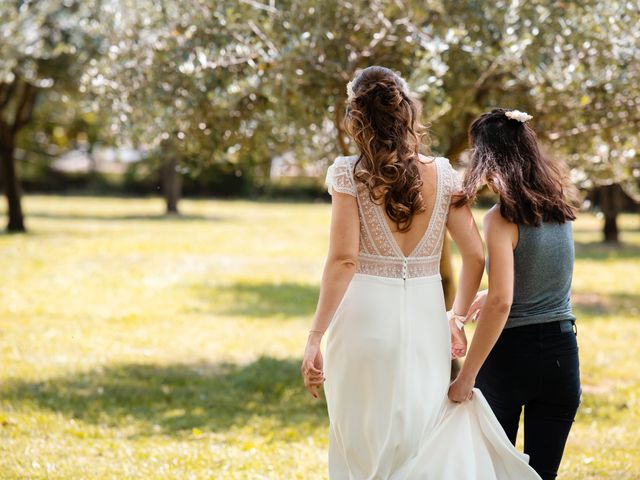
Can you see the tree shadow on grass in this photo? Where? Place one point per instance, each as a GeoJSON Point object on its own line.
{"type": "Point", "coordinates": [174, 399]}
{"type": "Point", "coordinates": [285, 299]}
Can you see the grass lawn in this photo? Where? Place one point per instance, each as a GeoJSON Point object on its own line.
{"type": "Point", "coordinates": [138, 346]}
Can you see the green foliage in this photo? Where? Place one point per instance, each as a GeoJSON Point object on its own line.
{"type": "Point", "coordinates": [45, 44]}
{"type": "Point", "coordinates": [245, 81]}
{"type": "Point", "coordinates": [237, 83]}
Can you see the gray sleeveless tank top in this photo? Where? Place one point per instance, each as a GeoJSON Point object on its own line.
{"type": "Point", "coordinates": [543, 268]}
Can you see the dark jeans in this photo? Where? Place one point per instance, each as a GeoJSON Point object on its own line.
{"type": "Point", "coordinates": [535, 367]}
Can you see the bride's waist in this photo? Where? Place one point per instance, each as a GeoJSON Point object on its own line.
{"type": "Point", "coordinates": [398, 268]}
{"type": "Point", "coordinates": [366, 277]}
{"type": "Point", "coordinates": [396, 260]}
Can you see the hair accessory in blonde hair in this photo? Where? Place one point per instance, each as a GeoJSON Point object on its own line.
{"type": "Point", "coordinates": [350, 92]}
{"type": "Point", "coordinates": [403, 86]}
{"type": "Point", "coordinates": [518, 115]}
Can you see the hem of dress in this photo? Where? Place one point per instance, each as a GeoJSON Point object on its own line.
{"type": "Point", "coordinates": [398, 281]}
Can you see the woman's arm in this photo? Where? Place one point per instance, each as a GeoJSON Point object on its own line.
{"type": "Point", "coordinates": [499, 234]}
{"type": "Point", "coordinates": [464, 232]}
{"type": "Point", "coordinates": [339, 268]}
{"type": "Point", "coordinates": [340, 265]}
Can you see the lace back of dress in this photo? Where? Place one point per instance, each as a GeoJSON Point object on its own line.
{"type": "Point", "coordinates": [379, 252]}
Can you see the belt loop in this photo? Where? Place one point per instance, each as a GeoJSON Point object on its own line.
{"type": "Point", "coordinates": [575, 327]}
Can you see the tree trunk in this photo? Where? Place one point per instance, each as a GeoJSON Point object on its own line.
{"type": "Point", "coordinates": [458, 145]}
{"type": "Point", "coordinates": [171, 185]}
{"type": "Point", "coordinates": [17, 101]}
{"type": "Point", "coordinates": [610, 204]}
{"type": "Point", "coordinates": [11, 189]}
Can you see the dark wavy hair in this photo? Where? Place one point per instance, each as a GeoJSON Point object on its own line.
{"type": "Point", "coordinates": [384, 121]}
{"type": "Point", "coordinates": [505, 152]}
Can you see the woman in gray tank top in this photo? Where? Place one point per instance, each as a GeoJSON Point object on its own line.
{"type": "Point", "coordinates": [524, 354]}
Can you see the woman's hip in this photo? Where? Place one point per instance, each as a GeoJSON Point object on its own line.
{"type": "Point", "coordinates": [532, 361]}
{"type": "Point", "coordinates": [385, 323]}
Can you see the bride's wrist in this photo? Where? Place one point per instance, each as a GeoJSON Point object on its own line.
{"type": "Point", "coordinates": [457, 319]}
{"type": "Point", "coordinates": [315, 335]}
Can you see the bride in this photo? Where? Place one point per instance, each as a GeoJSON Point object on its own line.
{"type": "Point", "coordinates": [389, 340]}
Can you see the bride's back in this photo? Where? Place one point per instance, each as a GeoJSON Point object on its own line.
{"type": "Point", "coordinates": [383, 250]}
{"type": "Point", "coordinates": [403, 196]}
{"type": "Point", "coordinates": [408, 240]}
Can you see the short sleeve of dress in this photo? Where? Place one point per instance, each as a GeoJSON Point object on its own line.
{"type": "Point", "coordinates": [340, 177]}
{"type": "Point", "coordinates": [452, 180]}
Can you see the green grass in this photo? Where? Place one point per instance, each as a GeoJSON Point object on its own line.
{"type": "Point", "coordinates": [138, 346]}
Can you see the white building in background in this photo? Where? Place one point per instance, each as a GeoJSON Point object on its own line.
{"type": "Point", "coordinates": [102, 160]}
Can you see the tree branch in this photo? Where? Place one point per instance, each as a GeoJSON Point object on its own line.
{"type": "Point", "coordinates": [25, 107]}
{"type": "Point", "coordinates": [261, 6]}
{"type": "Point", "coordinates": [6, 92]}
{"type": "Point", "coordinates": [263, 37]}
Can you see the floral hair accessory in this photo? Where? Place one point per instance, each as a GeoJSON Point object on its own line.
{"type": "Point", "coordinates": [404, 86]}
{"type": "Point", "coordinates": [518, 115]}
{"type": "Point", "coordinates": [350, 92]}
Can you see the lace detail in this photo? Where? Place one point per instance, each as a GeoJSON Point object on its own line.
{"type": "Point", "coordinates": [340, 177]}
{"type": "Point", "coordinates": [379, 252]}
{"type": "Point", "coordinates": [453, 180]}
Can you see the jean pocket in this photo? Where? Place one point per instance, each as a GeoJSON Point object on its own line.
{"type": "Point", "coordinates": [563, 344]}
{"type": "Point", "coordinates": [566, 378]}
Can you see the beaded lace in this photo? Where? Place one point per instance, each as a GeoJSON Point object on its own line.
{"type": "Point", "coordinates": [379, 252]}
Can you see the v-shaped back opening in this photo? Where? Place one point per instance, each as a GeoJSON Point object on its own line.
{"type": "Point", "coordinates": [385, 221]}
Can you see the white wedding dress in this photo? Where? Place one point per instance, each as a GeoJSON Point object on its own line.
{"type": "Point", "coordinates": [388, 363]}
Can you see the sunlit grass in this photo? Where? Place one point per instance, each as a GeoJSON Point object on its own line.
{"type": "Point", "coordinates": [138, 346]}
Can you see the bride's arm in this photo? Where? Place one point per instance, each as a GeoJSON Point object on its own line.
{"type": "Point", "coordinates": [499, 234]}
{"type": "Point", "coordinates": [339, 268]}
{"type": "Point", "coordinates": [464, 232]}
{"type": "Point", "coordinates": [340, 265]}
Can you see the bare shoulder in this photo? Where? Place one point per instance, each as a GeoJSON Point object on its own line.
{"type": "Point", "coordinates": [427, 164]}
{"type": "Point", "coordinates": [425, 160]}
{"type": "Point", "coordinates": [495, 225]}
{"type": "Point", "coordinates": [491, 215]}
{"type": "Point", "coordinates": [494, 220]}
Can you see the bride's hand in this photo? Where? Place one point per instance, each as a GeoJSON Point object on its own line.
{"type": "Point", "coordinates": [311, 368]}
{"type": "Point", "coordinates": [458, 340]}
{"type": "Point", "coordinates": [477, 305]}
